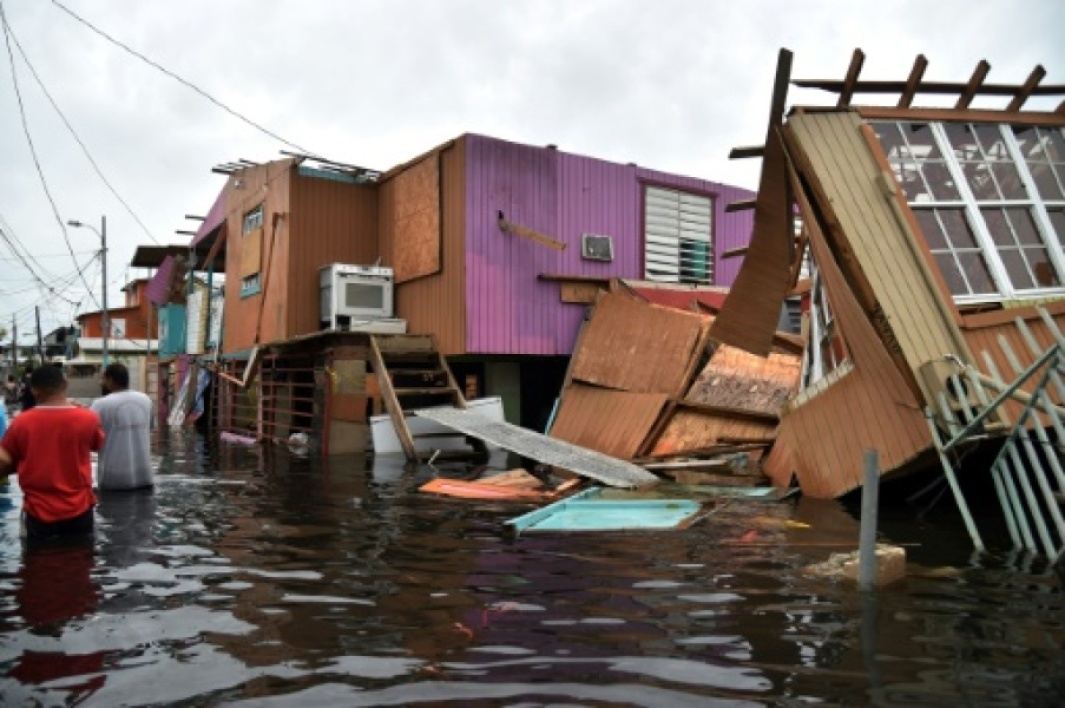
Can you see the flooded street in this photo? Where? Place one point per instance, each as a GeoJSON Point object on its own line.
{"type": "Point", "coordinates": [252, 576]}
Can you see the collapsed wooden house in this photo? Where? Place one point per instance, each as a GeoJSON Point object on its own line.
{"type": "Point", "coordinates": [934, 238]}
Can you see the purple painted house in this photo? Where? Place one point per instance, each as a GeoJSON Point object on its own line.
{"type": "Point", "coordinates": [505, 307]}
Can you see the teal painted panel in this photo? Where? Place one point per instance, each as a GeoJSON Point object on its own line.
{"type": "Point", "coordinates": [587, 512]}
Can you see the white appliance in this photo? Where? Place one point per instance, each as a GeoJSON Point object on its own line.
{"type": "Point", "coordinates": [353, 295]}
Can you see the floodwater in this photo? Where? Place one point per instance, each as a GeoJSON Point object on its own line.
{"type": "Point", "coordinates": [253, 577]}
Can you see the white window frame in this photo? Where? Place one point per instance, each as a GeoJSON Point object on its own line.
{"type": "Point", "coordinates": [253, 220]}
{"type": "Point", "coordinates": [971, 207]}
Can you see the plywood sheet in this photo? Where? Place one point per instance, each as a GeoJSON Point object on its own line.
{"type": "Point", "coordinates": [251, 253]}
{"type": "Point", "coordinates": [737, 379]}
{"type": "Point", "coordinates": [698, 430]}
{"type": "Point", "coordinates": [632, 345]}
{"type": "Point", "coordinates": [416, 205]}
{"type": "Point", "coordinates": [581, 461]}
{"type": "Point", "coordinates": [613, 422]}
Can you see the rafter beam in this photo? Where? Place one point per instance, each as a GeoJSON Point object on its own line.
{"type": "Point", "coordinates": [741, 205]}
{"type": "Point", "coordinates": [1026, 90]}
{"type": "Point", "coordinates": [916, 74]}
{"type": "Point", "coordinates": [975, 82]}
{"type": "Point", "coordinates": [740, 153]}
{"type": "Point", "coordinates": [847, 92]}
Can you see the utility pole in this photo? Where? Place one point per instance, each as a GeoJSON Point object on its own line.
{"type": "Point", "coordinates": [106, 319]}
{"type": "Point", "coordinates": [40, 344]}
{"type": "Point", "coordinates": [14, 345]}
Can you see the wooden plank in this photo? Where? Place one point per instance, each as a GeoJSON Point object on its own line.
{"type": "Point", "coordinates": [416, 250]}
{"type": "Point", "coordinates": [750, 314]}
{"type": "Point", "coordinates": [851, 79]}
{"type": "Point", "coordinates": [734, 252]}
{"type": "Point", "coordinates": [741, 153]}
{"type": "Point", "coordinates": [916, 74]}
{"type": "Point", "coordinates": [926, 87]}
{"type": "Point", "coordinates": [1026, 90]}
{"type": "Point", "coordinates": [578, 293]}
{"type": "Point", "coordinates": [973, 86]}
{"type": "Point", "coordinates": [530, 234]}
{"type": "Point", "coordinates": [741, 205]}
{"type": "Point", "coordinates": [614, 423]}
{"type": "Point", "coordinates": [974, 115]}
{"type": "Point", "coordinates": [737, 380]}
{"type": "Point", "coordinates": [395, 410]}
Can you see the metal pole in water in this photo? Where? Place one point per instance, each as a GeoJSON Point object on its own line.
{"type": "Point", "coordinates": [867, 536]}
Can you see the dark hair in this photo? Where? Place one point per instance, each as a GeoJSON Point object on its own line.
{"type": "Point", "coordinates": [47, 379]}
{"type": "Point", "coordinates": [118, 373]}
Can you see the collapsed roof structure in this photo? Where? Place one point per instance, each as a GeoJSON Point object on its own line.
{"type": "Point", "coordinates": [935, 240]}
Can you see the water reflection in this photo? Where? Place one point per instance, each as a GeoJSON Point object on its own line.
{"type": "Point", "coordinates": [252, 575]}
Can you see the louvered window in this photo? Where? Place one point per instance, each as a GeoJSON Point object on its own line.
{"type": "Point", "coordinates": [678, 246]}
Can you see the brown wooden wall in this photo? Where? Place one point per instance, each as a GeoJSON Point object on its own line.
{"type": "Point", "coordinates": [435, 304]}
{"type": "Point", "coordinates": [826, 429]}
{"type": "Point", "coordinates": [268, 184]}
{"type": "Point", "coordinates": [331, 222]}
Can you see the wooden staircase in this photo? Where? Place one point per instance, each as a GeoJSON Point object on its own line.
{"type": "Point", "coordinates": [412, 373]}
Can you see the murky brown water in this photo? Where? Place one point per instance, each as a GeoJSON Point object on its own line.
{"type": "Point", "coordinates": [265, 579]}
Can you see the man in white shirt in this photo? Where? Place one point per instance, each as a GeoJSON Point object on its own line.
{"type": "Point", "coordinates": [125, 461]}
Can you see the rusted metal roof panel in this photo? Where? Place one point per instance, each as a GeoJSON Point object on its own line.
{"type": "Point", "coordinates": [613, 422]}
{"type": "Point", "coordinates": [587, 463]}
{"type": "Point", "coordinates": [740, 380]}
{"type": "Point", "coordinates": [632, 345]}
{"type": "Point", "coordinates": [698, 430]}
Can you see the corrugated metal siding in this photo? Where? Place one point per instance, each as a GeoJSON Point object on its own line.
{"type": "Point", "coordinates": [563, 196]}
{"type": "Point", "coordinates": [848, 174]}
{"type": "Point", "coordinates": [730, 230]}
{"type": "Point", "coordinates": [436, 304]}
{"type": "Point", "coordinates": [330, 222]}
{"type": "Point", "coordinates": [215, 217]}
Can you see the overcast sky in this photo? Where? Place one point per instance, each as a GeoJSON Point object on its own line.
{"type": "Point", "coordinates": [668, 84]}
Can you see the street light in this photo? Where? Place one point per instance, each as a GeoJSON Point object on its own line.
{"type": "Point", "coordinates": [105, 319]}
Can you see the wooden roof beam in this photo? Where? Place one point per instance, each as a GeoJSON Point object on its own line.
{"type": "Point", "coordinates": [1026, 89]}
{"type": "Point", "coordinates": [740, 153]}
{"type": "Point", "coordinates": [1061, 108]}
{"type": "Point", "coordinates": [975, 82]}
{"type": "Point", "coordinates": [741, 205]}
{"type": "Point", "coordinates": [916, 74]}
{"type": "Point", "coordinates": [851, 80]}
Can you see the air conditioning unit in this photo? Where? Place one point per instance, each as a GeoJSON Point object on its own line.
{"type": "Point", "coordinates": [354, 294]}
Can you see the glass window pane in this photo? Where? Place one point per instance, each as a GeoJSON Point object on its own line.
{"type": "Point", "coordinates": [1024, 226]}
{"type": "Point", "coordinates": [929, 224]}
{"type": "Point", "coordinates": [1057, 218]}
{"type": "Point", "coordinates": [972, 262]}
{"type": "Point", "coordinates": [940, 181]}
{"type": "Point", "coordinates": [990, 140]}
{"type": "Point", "coordinates": [890, 139]}
{"type": "Point", "coordinates": [1017, 269]}
{"type": "Point", "coordinates": [1054, 143]}
{"type": "Point", "coordinates": [1045, 181]}
{"type": "Point", "coordinates": [1009, 180]}
{"type": "Point", "coordinates": [962, 140]}
{"type": "Point", "coordinates": [921, 141]}
{"type": "Point", "coordinates": [952, 274]}
{"type": "Point", "coordinates": [957, 228]}
{"type": "Point", "coordinates": [1039, 263]}
{"type": "Point", "coordinates": [1029, 141]}
{"type": "Point", "coordinates": [997, 226]}
{"type": "Point", "coordinates": [909, 178]}
{"type": "Point", "coordinates": [978, 175]}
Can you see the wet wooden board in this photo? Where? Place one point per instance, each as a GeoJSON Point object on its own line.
{"type": "Point", "coordinates": [613, 422]}
{"type": "Point", "coordinates": [737, 379]}
{"type": "Point", "coordinates": [587, 463]}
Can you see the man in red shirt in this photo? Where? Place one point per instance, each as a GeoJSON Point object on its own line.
{"type": "Point", "coordinates": [48, 447]}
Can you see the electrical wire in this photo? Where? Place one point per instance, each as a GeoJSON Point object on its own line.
{"type": "Point", "coordinates": [177, 78]}
{"type": "Point", "coordinates": [75, 135]}
{"type": "Point", "coordinates": [33, 148]}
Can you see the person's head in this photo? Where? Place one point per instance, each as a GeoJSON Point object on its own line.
{"type": "Point", "coordinates": [47, 382]}
{"type": "Point", "coordinates": [115, 378]}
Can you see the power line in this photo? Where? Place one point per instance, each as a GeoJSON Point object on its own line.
{"type": "Point", "coordinates": [33, 149]}
{"type": "Point", "coordinates": [174, 76]}
{"type": "Point", "coordinates": [7, 237]}
{"type": "Point", "coordinates": [74, 133]}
